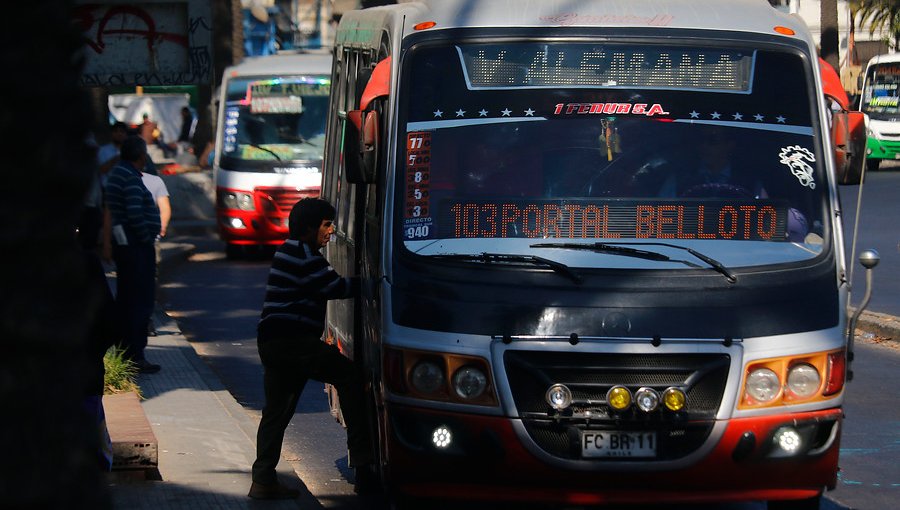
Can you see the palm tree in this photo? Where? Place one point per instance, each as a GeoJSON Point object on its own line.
{"type": "Point", "coordinates": [881, 15]}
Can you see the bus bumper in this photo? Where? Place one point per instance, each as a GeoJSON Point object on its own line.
{"type": "Point", "coordinates": [251, 228]}
{"type": "Point", "coordinates": [486, 460]}
{"type": "Point", "coordinates": [883, 148]}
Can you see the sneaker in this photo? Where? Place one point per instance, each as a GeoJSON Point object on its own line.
{"type": "Point", "coordinates": [145, 367]}
{"type": "Point", "coordinates": [274, 491]}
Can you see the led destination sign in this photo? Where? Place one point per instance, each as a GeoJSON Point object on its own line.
{"type": "Point", "coordinates": [282, 96]}
{"type": "Point", "coordinates": [604, 65]}
{"type": "Point", "coordinates": [750, 220]}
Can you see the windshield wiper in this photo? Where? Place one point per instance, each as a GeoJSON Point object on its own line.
{"type": "Point", "coordinates": [489, 258]}
{"type": "Point", "coordinates": [260, 147]}
{"type": "Point", "coordinates": [619, 249]}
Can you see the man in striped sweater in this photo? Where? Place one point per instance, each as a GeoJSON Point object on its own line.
{"type": "Point", "coordinates": [135, 226]}
{"type": "Point", "coordinates": [288, 339]}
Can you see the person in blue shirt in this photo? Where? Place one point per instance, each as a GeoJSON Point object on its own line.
{"type": "Point", "coordinates": [135, 225]}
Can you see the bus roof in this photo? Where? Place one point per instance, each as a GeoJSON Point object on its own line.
{"type": "Point", "coordinates": [884, 59]}
{"type": "Point", "coordinates": [734, 15]}
{"type": "Point", "coordinates": [311, 62]}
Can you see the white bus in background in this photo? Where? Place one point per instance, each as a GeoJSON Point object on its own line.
{"type": "Point", "coordinates": [270, 137]}
{"type": "Point", "coordinates": [880, 99]}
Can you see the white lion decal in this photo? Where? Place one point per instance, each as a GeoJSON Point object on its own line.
{"type": "Point", "coordinates": [797, 159]}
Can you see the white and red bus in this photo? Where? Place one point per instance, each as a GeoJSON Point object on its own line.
{"type": "Point", "coordinates": [269, 143]}
{"type": "Point", "coordinates": [602, 248]}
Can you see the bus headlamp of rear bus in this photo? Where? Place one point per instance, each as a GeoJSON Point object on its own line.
{"type": "Point", "coordinates": [425, 375]}
{"type": "Point", "coordinates": [235, 223]}
{"type": "Point", "coordinates": [793, 379]}
{"type": "Point", "coordinates": [236, 200]}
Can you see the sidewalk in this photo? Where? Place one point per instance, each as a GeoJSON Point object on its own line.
{"type": "Point", "coordinates": [206, 441]}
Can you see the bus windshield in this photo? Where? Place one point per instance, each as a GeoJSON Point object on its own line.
{"type": "Point", "coordinates": [516, 146]}
{"type": "Point", "coordinates": [269, 121]}
{"type": "Point", "coordinates": [881, 95]}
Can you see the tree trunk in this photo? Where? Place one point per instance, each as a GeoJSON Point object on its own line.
{"type": "Point", "coordinates": [828, 44]}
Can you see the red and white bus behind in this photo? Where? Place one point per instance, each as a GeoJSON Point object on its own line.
{"type": "Point", "coordinates": [269, 143]}
{"type": "Point", "coordinates": [602, 248]}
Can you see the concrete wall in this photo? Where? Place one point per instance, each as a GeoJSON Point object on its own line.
{"type": "Point", "coordinates": [146, 42]}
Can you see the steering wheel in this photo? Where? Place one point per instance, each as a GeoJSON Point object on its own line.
{"type": "Point", "coordinates": [717, 189]}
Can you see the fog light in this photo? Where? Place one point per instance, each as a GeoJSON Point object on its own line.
{"type": "Point", "coordinates": [441, 437]}
{"type": "Point", "coordinates": [646, 399]}
{"type": "Point", "coordinates": [763, 385]}
{"type": "Point", "coordinates": [803, 380]}
{"type": "Point", "coordinates": [618, 397]}
{"type": "Point", "coordinates": [559, 397]}
{"type": "Point", "coordinates": [427, 377]}
{"type": "Point", "coordinates": [236, 223]}
{"type": "Point", "coordinates": [788, 440]}
{"type": "Point", "coordinates": [674, 399]}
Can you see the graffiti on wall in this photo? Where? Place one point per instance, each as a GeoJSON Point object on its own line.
{"type": "Point", "coordinates": [150, 43]}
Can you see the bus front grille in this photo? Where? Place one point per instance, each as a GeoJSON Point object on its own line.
{"type": "Point", "coordinates": [279, 201]}
{"type": "Point", "coordinates": [590, 375]}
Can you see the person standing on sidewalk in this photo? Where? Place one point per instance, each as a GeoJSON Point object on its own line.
{"type": "Point", "coordinates": [135, 224]}
{"type": "Point", "coordinates": [157, 187]}
{"type": "Point", "coordinates": [291, 350]}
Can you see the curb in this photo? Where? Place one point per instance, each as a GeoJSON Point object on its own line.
{"type": "Point", "coordinates": [880, 324]}
{"type": "Point", "coordinates": [135, 448]}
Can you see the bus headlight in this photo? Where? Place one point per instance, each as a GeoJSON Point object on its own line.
{"type": "Point", "coordinates": [674, 399]}
{"type": "Point", "coordinates": [427, 377]}
{"type": "Point", "coordinates": [788, 441]}
{"type": "Point", "coordinates": [618, 398]}
{"type": "Point", "coordinates": [237, 200]}
{"type": "Point", "coordinates": [469, 382]}
{"type": "Point", "coordinates": [441, 437]}
{"type": "Point", "coordinates": [559, 397]}
{"type": "Point", "coordinates": [646, 399]}
{"type": "Point", "coordinates": [763, 385]}
{"type": "Point", "coordinates": [803, 380]}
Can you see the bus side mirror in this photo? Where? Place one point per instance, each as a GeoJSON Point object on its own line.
{"type": "Point", "coordinates": [848, 132]}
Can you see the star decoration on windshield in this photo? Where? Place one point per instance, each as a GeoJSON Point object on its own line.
{"type": "Point", "coordinates": [737, 116]}
{"type": "Point", "coordinates": [482, 113]}
{"type": "Point", "coordinates": [758, 117]}
{"type": "Point", "coordinates": [460, 113]}
{"type": "Point", "coordinates": [438, 113]}
{"type": "Point", "coordinates": [529, 113]}
{"type": "Point", "coordinates": [716, 115]}
{"type": "Point", "coordinates": [780, 119]}
{"type": "Point", "coordinates": [506, 112]}
{"type": "Point", "coordinates": [695, 114]}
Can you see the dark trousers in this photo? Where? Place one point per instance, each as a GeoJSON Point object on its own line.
{"type": "Point", "coordinates": [135, 294]}
{"type": "Point", "coordinates": [287, 364]}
